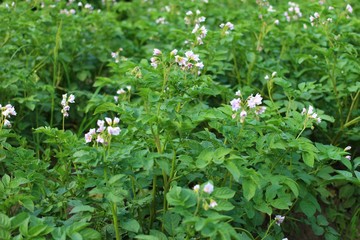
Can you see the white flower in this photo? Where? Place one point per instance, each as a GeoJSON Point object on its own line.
{"type": "Point", "coordinates": [208, 188]}
{"type": "Point", "coordinates": [316, 15]}
{"type": "Point", "coordinates": [213, 203]}
{"type": "Point", "coordinates": [199, 65]}
{"type": "Point", "coordinates": [71, 98]}
{"type": "Point", "coordinates": [116, 120]}
{"type": "Point", "coordinates": [120, 91]}
{"type": "Point", "coordinates": [235, 104]}
{"type": "Point", "coordinates": [348, 157]}
{"type": "Point", "coordinates": [88, 137]}
{"type": "Point", "coordinates": [7, 123]}
{"type": "Point", "coordinates": [238, 93]}
{"type": "Point", "coordinates": [113, 130]}
{"type": "Point", "coordinates": [266, 77]}
{"type": "Point", "coordinates": [243, 114]}
{"type": "Point", "coordinates": [348, 148]}
{"type": "Point", "coordinates": [273, 74]}
{"type": "Point", "coordinates": [157, 52]}
{"type": "Point", "coordinates": [277, 22]}
{"type": "Point", "coordinates": [279, 219]}
{"type": "Point", "coordinates": [188, 13]}
{"type": "Point", "coordinates": [349, 8]}
{"type": "Point", "coordinates": [253, 101]}
{"type": "Point", "coordinates": [99, 139]}
{"type": "Point", "coordinates": [108, 121]}
{"type": "Point", "coordinates": [196, 188]}
{"type": "Point", "coordinates": [174, 52]}
{"type": "Point", "coordinates": [191, 56]}
{"type": "Point", "coordinates": [260, 110]}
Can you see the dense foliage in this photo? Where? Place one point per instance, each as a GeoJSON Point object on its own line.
{"type": "Point", "coordinates": [196, 119]}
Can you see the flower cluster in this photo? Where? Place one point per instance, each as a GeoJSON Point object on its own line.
{"type": "Point", "coordinates": [155, 60]}
{"type": "Point", "coordinates": [252, 103]}
{"type": "Point", "coordinates": [314, 19]}
{"type": "Point", "coordinates": [279, 219]}
{"type": "Point", "coordinates": [348, 148]}
{"type": "Point", "coordinates": [161, 20]}
{"type": "Point", "coordinates": [103, 133]}
{"type": "Point", "coordinates": [310, 114]}
{"type": "Point", "coordinates": [121, 91]}
{"type": "Point", "coordinates": [6, 112]}
{"type": "Point", "coordinates": [116, 55]}
{"type": "Point", "coordinates": [65, 103]}
{"type": "Point", "coordinates": [227, 27]}
{"type": "Point", "coordinates": [190, 17]}
{"type": "Point", "coordinates": [208, 189]}
{"type": "Point", "coordinates": [200, 33]}
{"type": "Point", "coordinates": [189, 61]}
{"type": "Point", "coordinates": [293, 12]}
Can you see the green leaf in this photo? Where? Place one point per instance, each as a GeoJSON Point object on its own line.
{"type": "Point", "coordinates": [307, 207]}
{"type": "Point", "coordinates": [4, 235]}
{"type": "Point", "coordinates": [106, 107]}
{"type": "Point", "coordinates": [220, 154]}
{"type": "Point", "coordinates": [37, 230]}
{"type": "Point", "coordinates": [204, 158]}
{"type": "Point", "coordinates": [281, 203]}
{"type": "Point", "coordinates": [249, 188]}
{"type": "Point", "coordinates": [28, 204]}
{"type": "Point", "coordinates": [322, 221]}
{"type": "Point", "coordinates": [5, 222]}
{"type": "Point", "coordinates": [115, 178]}
{"type": "Point", "coordinates": [90, 234]}
{"type": "Point", "coordinates": [171, 222]}
{"type": "Point", "coordinates": [223, 193]}
{"type": "Point", "coordinates": [19, 219]}
{"type": "Point", "coordinates": [308, 158]}
{"type": "Point", "coordinates": [75, 236]}
{"type": "Point", "coordinates": [146, 237]}
{"type": "Point", "coordinates": [82, 208]}
{"type": "Point", "coordinates": [181, 197]}
{"type": "Point", "coordinates": [131, 225]}
{"type": "Point", "coordinates": [292, 185]}
{"type": "Point", "coordinates": [233, 169]}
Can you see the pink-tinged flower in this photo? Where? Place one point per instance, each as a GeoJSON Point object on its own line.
{"type": "Point", "coordinates": [113, 130]}
{"type": "Point", "coordinates": [157, 52]}
{"type": "Point", "coordinates": [116, 120]}
{"type": "Point", "coordinates": [8, 110]}
{"type": "Point", "coordinates": [279, 219]}
{"type": "Point", "coordinates": [348, 157]}
{"type": "Point", "coordinates": [71, 98]}
{"type": "Point", "coordinates": [191, 56]}
{"type": "Point", "coordinates": [196, 188]}
{"type": "Point", "coordinates": [199, 65]}
{"type": "Point", "coordinates": [7, 123]}
{"type": "Point", "coordinates": [316, 15]}
{"type": "Point", "coordinates": [260, 110]}
{"type": "Point", "coordinates": [88, 137]}
{"type": "Point", "coordinates": [182, 61]}
{"type": "Point", "coordinates": [213, 203]}
{"type": "Point", "coordinates": [348, 148]}
{"type": "Point", "coordinates": [99, 139]}
{"type": "Point", "coordinates": [101, 124]}
{"type": "Point", "coordinates": [201, 19]}
{"type": "Point", "coordinates": [311, 19]}
{"type": "Point", "coordinates": [235, 104]}
{"type": "Point", "coordinates": [208, 188]}
{"type": "Point", "coordinates": [253, 101]}
{"type": "Point", "coordinates": [349, 8]}
{"type": "Point", "coordinates": [243, 114]}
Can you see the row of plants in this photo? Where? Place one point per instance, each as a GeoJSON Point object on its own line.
{"type": "Point", "coordinates": [173, 120]}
